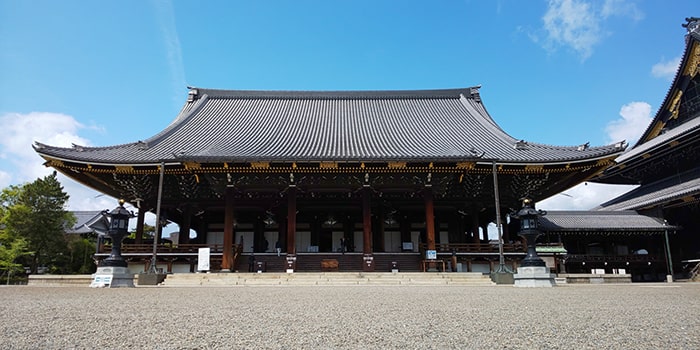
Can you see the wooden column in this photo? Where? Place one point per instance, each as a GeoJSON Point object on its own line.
{"type": "Point", "coordinates": [227, 258]}
{"type": "Point", "coordinates": [185, 225]}
{"type": "Point", "coordinates": [429, 219]}
{"type": "Point", "coordinates": [366, 222]}
{"type": "Point", "coordinates": [291, 219]}
{"type": "Point", "coordinates": [282, 231]}
{"type": "Point", "coordinates": [139, 226]}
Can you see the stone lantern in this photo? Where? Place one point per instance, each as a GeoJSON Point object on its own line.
{"type": "Point", "coordinates": [112, 271]}
{"type": "Point", "coordinates": [533, 271]}
{"type": "Point", "coordinates": [529, 229]}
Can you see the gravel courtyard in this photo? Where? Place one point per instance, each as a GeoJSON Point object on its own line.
{"type": "Point", "coordinates": [636, 316]}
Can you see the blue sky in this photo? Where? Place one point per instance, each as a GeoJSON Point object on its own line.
{"type": "Point", "coordinates": [561, 72]}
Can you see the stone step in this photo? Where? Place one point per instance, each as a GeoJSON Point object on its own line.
{"type": "Point", "coordinates": [325, 278]}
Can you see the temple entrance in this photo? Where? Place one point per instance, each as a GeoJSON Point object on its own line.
{"type": "Point", "coordinates": [325, 241]}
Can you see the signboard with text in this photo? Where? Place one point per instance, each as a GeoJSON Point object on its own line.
{"type": "Point", "coordinates": [203, 259]}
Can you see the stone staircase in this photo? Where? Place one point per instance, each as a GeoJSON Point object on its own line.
{"type": "Point", "coordinates": [327, 279]}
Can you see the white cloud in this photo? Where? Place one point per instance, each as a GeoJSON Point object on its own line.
{"type": "Point", "coordinates": [636, 117]}
{"type": "Point", "coordinates": [20, 163]}
{"type": "Point", "coordinates": [23, 129]}
{"type": "Point", "coordinates": [5, 179]}
{"type": "Point", "coordinates": [572, 23]}
{"type": "Point", "coordinates": [584, 196]}
{"type": "Point", "coordinates": [578, 24]}
{"type": "Point", "coordinates": [666, 69]}
{"type": "Point", "coordinates": [622, 8]}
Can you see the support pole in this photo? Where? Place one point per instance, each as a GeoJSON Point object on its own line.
{"type": "Point", "coordinates": [499, 225]}
{"type": "Point", "coordinates": [669, 277]}
{"type": "Point", "coordinates": [227, 263]}
{"type": "Point", "coordinates": [153, 268]}
{"type": "Point", "coordinates": [366, 222]}
{"type": "Point", "coordinates": [291, 219]}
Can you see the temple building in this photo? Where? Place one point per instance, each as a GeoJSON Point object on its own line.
{"type": "Point", "coordinates": [665, 162]}
{"type": "Point", "coordinates": [369, 178]}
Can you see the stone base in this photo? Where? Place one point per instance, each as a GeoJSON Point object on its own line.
{"type": "Point", "coordinates": [112, 277]}
{"type": "Point", "coordinates": [502, 278]}
{"type": "Point", "coordinates": [150, 279]}
{"type": "Point", "coordinates": [533, 276]}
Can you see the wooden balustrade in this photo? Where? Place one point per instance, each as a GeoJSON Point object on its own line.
{"type": "Point", "coordinates": [168, 248]}
{"type": "Point", "coordinates": [475, 247]}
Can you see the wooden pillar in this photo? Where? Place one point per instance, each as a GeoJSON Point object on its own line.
{"type": "Point", "coordinates": [349, 233]}
{"type": "Point", "coordinates": [139, 226]}
{"type": "Point", "coordinates": [185, 225]}
{"type": "Point", "coordinates": [291, 219]}
{"type": "Point", "coordinates": [429, 219]}
{"type": "Point", "coordinates": [366, 222]}
{"type": "Point", "coordinates": [282, 231]}
{"type": "Point", "coordinates": [227, 258]}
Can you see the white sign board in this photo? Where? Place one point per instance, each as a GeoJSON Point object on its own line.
{"type": "Point", "coordinates": [431, 254]}
{"type": "Point", "coordinates": [203, 259]}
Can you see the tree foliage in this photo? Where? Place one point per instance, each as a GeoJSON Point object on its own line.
{"type": "Point", "coordinates": [35, 212]}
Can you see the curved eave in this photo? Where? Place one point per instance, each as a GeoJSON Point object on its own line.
{"type": "Point", "coordinates": [686, 70]}
{"type": "Point", "coordinates": [305, 127]}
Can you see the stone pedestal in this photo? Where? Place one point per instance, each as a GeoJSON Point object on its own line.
{"type": "Point", "coordinates": [112, 277]}
{"type": "Point", "coordinates": [502, 277]}
{"type": "Point", "coordinates": [533, 276]}
{"type": "Point", "coordinates": [150, 279]}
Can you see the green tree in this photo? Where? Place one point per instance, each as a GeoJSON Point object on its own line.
{"type": "Point", "coordinates": [36, 212]}
{"type": "Point", "coordinates": [148, 232]}
{"type": "Point", "coordinates": [10, 251]}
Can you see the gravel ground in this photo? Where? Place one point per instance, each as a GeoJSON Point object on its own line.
{"type": "Point", "coordinates": [638, 316]}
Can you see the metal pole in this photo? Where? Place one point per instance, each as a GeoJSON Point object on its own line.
{"type": "Point", "coordinates": [668, 255]}
{"type": "Point", "coordinates": [501, 258]}
{"type": "Point", "coordinates": [153, 268]}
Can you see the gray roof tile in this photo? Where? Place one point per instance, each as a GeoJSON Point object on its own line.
{"type": "Point", "coordinates": [601, 222]}
{"type": "Point", "coordinates": [234, 125]}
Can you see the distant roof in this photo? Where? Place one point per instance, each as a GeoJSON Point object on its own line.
{"type": "Point", "coordinates": [88, 222]}
{"type": "Point", "coordinates": [298, 126]}
{"type": "Point", "coordinates": [601, 222]}
{"type": "Point", "coordinates": [682, 188]}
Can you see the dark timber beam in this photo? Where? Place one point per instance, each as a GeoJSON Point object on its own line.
{"type": "Point", "coordinates": [291, 219]}
{"type": "Point", "coordinates": [227, 258]}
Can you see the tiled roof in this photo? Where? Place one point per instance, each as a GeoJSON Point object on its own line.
{"type": "Point", "coordinates": [287, 126]}
{"type": "Point", "coordinates": [89, 221]}
{"type": "Point", "coordinates": [681, 186]}
{"type": "Point", "coordinates": [628, 222]}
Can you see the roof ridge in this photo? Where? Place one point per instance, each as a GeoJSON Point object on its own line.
{"type": "Point", "coordinates": [338, 94]}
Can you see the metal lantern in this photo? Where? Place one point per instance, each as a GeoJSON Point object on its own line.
{"type": "Point", "coordinates": [118, 229]}
{"type": "Point", "coordinates": [529, 229]}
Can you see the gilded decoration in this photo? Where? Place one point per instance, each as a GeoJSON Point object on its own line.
{"type": "Point", "coordinates": [328, 165]}
{"type": "Point", "coordinates": [675, 104]}
{"type": "Point", "coordinates": [260, 165]}
{"type": "Point", "coordinates": [396, 165]}
{"type": "Point", "coordinates": [55, 163]}
{"type": "Point", "coordinates": [693, 66]}
{"type": "Point", "coordinates": [466, 165]}
{"type": "Point", "coordinates": [123, 168]}
{"type": "Point", "coordinates": [192, 165]}
{"type": "Point", "coordinates": [534, 167]}
{"type": "Point", "coordinates": [655, 130]}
